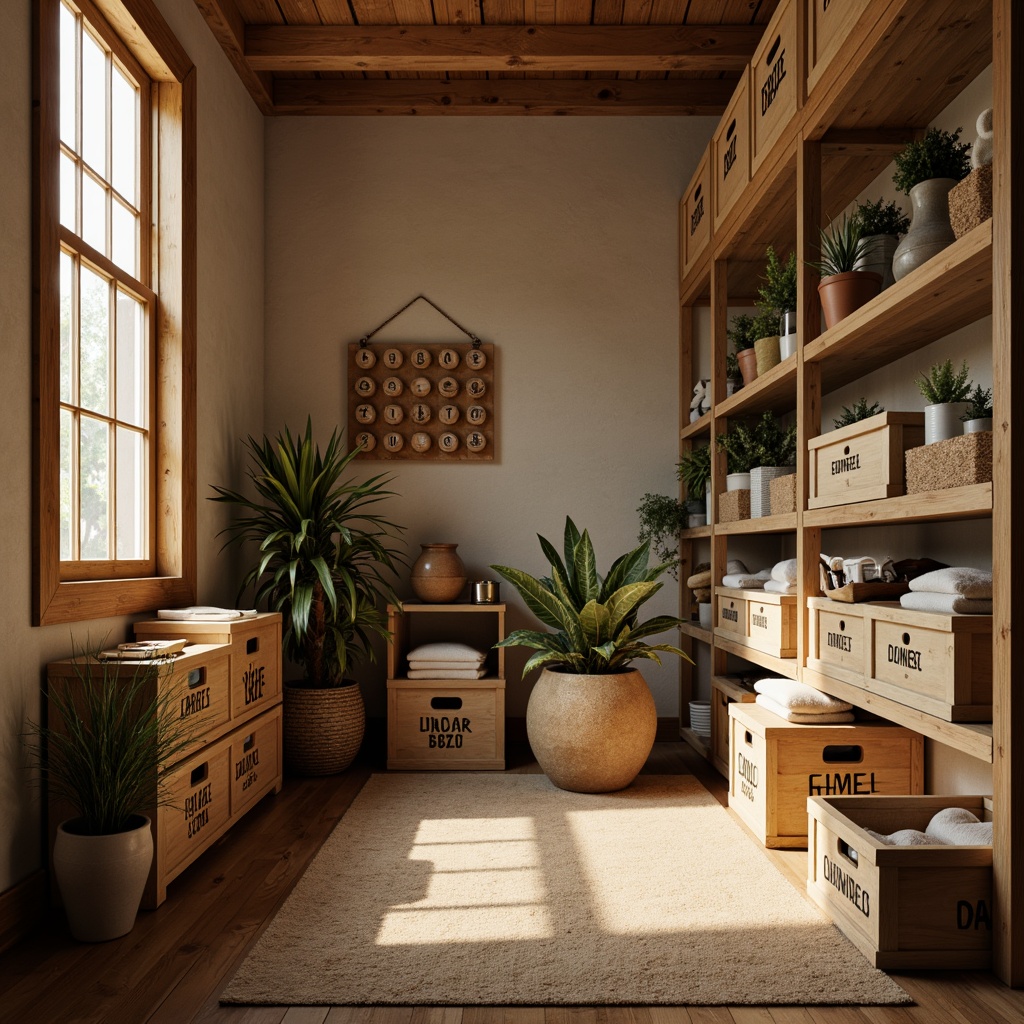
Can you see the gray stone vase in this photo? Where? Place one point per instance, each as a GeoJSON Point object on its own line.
{"type": "Point", "coordinates": [878, 254]}
{"type": "Point", "coordinates": [930, 231]}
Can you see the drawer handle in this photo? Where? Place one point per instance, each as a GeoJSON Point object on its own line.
{"type": "Point", "coordinates": [249, 742]}
{"type": "Point", "coordinates": [200, 774]}
{"type": "Point", "coordinates": [446, 703]}
{"type": "Point", "coordinates": [747, 738]}
{"type": "Point", "coordinates": [847, 851]}
{"type": "Point", "coordinates": [731, 129]}
{"type": "Point", "coordinates": [252, 645]}
{"type": "Point", "coordinates": [842, 753]}
{"type": "Point", "coordinates": [196, 677]}
{"type": "Point", "coordinates": [697, 191]}
{"type": "Point", "coordinates": [774, 50]}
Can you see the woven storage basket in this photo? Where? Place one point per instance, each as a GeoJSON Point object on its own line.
{"type": "Point", "coordinates": [955, 462]}
{"type": "Point", "coordinates": [323, 729]}
{"type": "Point", "coordinates": [970, 201]}
{"type": "Point", "coordinates": [782, 493]}
{"type": "Point", "coordinates": [760, 488]}
{"type": "Point", "coordinates": [733, 506]}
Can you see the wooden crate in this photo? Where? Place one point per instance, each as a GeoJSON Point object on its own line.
{"type": "Point", "coordinates": [733, 506]}
{"type": "Point", "coordinates": [724, 691]}
{"type": "Point", "coordinates": [730, 153]}
{"type": "Point", "coordinates": [770, 620]}
{"type": "Point", "coordinates": [255, 655]}
{"type": "Point", "coordinates": [776, 765]}
{"type": "Point", "coordinates": [862, 461]}
{"type": "Point", "coordinates": [775, 82]}
{"type": "Point", "coordinates": [828, 25]}
{"type": "Point", "coordinates": [695, 216]}
{"type": "Point", "coordinates": [903, 907]}
{"type": "Point", "coordinates": [732, 613]}
{"type": "Point", "coordinates": [935, 663]}
{"type": "Point", "coordinates": [956, 462]}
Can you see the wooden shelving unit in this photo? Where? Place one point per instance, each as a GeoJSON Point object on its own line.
{"type": "Point", "coordinates": [901, 65]}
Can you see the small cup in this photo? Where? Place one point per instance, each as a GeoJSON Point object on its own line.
{"type": "Point", "coordinates": [485, 592]}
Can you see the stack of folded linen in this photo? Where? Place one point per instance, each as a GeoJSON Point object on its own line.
{"type": "Point", "coordinates": [952, 826]}
{"type": "Point", "coordinates": [446, 661]}
{"type": "Point", "coordinates": [783, 577]}
{"type": "Point", "coordinates": [801, 704]}
{"type": "Point", "coordinates": [700, 581]}
{"type": "Point", "coordinates": [746, 580]}
{"type": "Point", "coordinates": [957, 590]}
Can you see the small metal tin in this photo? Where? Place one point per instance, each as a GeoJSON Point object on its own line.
{"type": "Point", "coordinates": [485, 592]}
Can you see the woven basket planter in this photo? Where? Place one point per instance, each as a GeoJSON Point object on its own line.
{"type": "Point", "coordinates": [970, 201]}
{"type": "Point", "coordinates": [323, 728]}
{"type": "Point", "coordinates": [955, 462]}
{"type": "Point", "coordinates": [760, 488]}
{"type": "Point", "coordinates": [782, 493]}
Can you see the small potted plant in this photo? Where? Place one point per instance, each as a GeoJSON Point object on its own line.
{"type": "Point", "coordinates": [589, 697]}
{"type": "Point", "coordinates": [740, 333]}
{"type": "Point", "coordinates": [926, 170]}
{"type": "Point", "coordinates": [946, 391]}
{"type": "Point", "coordinates": [777, 294]}
{"type": "Point", "coordinates": [733, 377]}
{"type": "Point", "coordinates": [843, 288]}
{"type": "Point", "coordinates": [662, 519]}
{"type": "Point", "coordinates": [694, 470]}
{"type": "Point", "coordinates": [742, 452]}
{"type": "Point", "coordinates": [765, 330]}
{"type": "Point", "coordinates": [860, 410]}
{"type": "Point", "coordinates": [881, 225]}
{"type": "Point", "coordinates": [774, 456]}
{"type": "Point", "coordinates": [978, 416]}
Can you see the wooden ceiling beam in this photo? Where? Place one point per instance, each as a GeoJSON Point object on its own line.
{"type": "Point", "coordinates": [675, 96]}
{"type": "Point", "coordinates": [227, 25]}
{"type": "Point", "coordinates": [408, 48]}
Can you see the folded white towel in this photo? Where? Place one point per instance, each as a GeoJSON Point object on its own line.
{"type": "Point", "coordinates": [838, 718]}
{"type": "Point", "coordinates": [743, 581]}
{"type": "Point", "coordinates": [446, 673]}
{"type": "Point", "coordinates": [947, 604]}
{"type": "Point", "coordinates": [785, 571]}
{"type": "Point", "coordinates": [960, 827]}
{"type": "Point", "coordinates": [904, 837]}
{"type": "Point", "coordinates": [961, 580]}
{"type": "Point", "coordinates": [800, 697]}
{"type": "Point", "coordinates": [778, 587]}
{"type": "Point", "coordinates": [447, 652]}
{"type": "Point", "coordinates": [434, 666]}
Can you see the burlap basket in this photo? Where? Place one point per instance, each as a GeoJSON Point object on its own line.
{"type": "Point", "coordinates": [782, 494]}
{"type": "Point", "coordinates": [323, 729]}
{"type": "Point", "coordinates": [956, 462]}
{"type": "Point", "coordinates": [733, 506]}
{"type": "Point", "coordinates": [970, 201]}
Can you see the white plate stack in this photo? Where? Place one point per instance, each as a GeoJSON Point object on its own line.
{"type": "Point", "coordinates": [700, 717]}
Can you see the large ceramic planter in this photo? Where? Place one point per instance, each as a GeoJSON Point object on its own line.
{"type": "Point", "coordinates": [943, 421]}
{"type": "Point", "coordinates": [930, 230]}
{"type": "Point", "coordinates": [747, 358]}
{"type": "Point", "coordinates": [737, 482]}
{"type": "Point", "coordinates": [102, 878]}
{"type": "Point", "coordinates": [841, 294]}
{"type": "Point", "coordinates": [767, 353]}
{"type": "Point", "coordinates": [323, 728]}
{"type": "Point", "coordinates": [877, 256]}
{"type": "Point", "coordinates": [591, 734]}
{"type": "Point", "coordinates": [438, 575]}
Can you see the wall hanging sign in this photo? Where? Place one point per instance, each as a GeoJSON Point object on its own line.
{"type": "Point", "coordinates": [426, 401]}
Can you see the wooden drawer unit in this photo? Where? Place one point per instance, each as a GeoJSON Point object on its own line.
{"type": "Point", "coordinates": [903, 907]}
{"type": "Point", "coordinates": [255, 761]}
{"type": "Point", "coordinates": [829, 23]}
{"type": "Point", "coordinates": [775, 73]}
{"type": "Point", "coordinates": [732, 613]}
{"type": "Point", "coordinates": [863, 461]}
{"type": "Point", "coordinates": [776, 765]}
{"type": "Point", "coordinates": [435, 725]}
{"type": "Point", "coordinates": [764, 621]}
{"type": "Point", "coordinates": [724, 691]}
{"type": "Point", "coordinates": [695, 216]}
{"type": "Point", "coordinates": [255, 650]}
{"type": "Point", "coordinates": [730, 153]}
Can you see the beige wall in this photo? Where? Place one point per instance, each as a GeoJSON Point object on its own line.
{"type": "Point", "coordinates": [554, 238]}
{"type": "Point", "coordinates": [230, 373]}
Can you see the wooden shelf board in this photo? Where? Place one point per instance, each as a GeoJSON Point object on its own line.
{"type": "Point", "coordinates": [731, 687]}
{"type": "Point", "coordinates": [696, 631]}
{"type": "Point", "coordinates": [971, 502]}
{"type": "Point", "coordinates": [702, 744]}
{"type": "Point", "coordinates": [782, 666]}
{"type": "Point", "coordinates": [698, 428]}
{"type": "Point", "coordinates": [412, 606]}
{"type": "Point", "coordinates": [695, 532]}
{"type": "Point", "coordinates": [764, 524]}
{"type": "Point", "coordinates": [774, 390]}
{"type": "Point", "coordinates": [948, 292]}
{"type": "Point", "coordinates": [972, 739]}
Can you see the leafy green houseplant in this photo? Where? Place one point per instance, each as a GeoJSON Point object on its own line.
{"type": "Point", "coordinates": [776, 297]}
{"type": "Point", "coordinates": [860, 410]}
{"type": "Point", "coordinates": [946, 391]}
{"type": "Point", "coordinates": [591, 719]}
{"type": "Point", "coordinates": [325, 557]}
{"type": "Point", "coordinates": [940, 154]}
{"type": "Point", "coordinates": [979, 404]}
{"type": "Point", "coordinates": [662, 518]}
{"type": "Point", "coordinates": [741, 333]}
{"type": "Point", "coordinates": [695, 471]}
{"type": "Point", "coordinates": [881, 225]}
{"type": "Point", "coordinates": [740, 448]}
{"type": "Point", "coordinates": [843, 287]}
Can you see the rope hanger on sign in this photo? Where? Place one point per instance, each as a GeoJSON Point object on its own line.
{"type": "Point", "coordinates": [365, 339]}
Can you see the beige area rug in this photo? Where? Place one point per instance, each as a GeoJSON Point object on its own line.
{"type": "Point", "coordinates": [485, 889]}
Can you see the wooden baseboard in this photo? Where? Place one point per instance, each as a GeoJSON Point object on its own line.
{"type": "Point", "coordinates": [21, 907]}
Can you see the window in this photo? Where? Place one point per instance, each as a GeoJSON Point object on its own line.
{"type": "Point", "coordinates": [115, 340]}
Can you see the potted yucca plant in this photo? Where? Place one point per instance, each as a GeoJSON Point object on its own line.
{"type": "Point", "coordinates": [843, 288]}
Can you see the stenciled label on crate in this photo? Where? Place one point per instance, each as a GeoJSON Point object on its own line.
{"type": "Point", "coordinates": [846, 885]}
{"type": "Point", "coordinates": [197, 809]}
{"type": "Point", "coordinates": [776, 60]}
{"type": "Point", "coordinates": [246, 767]}
{"type": "Point", "coordinates": [253, 682]}
{"type": "Point", "coordinates": [444, 732]}
{"type": "Point", "coordinates": [749, 774]}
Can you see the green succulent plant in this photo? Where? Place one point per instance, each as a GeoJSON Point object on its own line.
{"type": "Point", "coordinates": [841, 247]}
{"type": "Point", "coordinates": [594, 618]}
{"type": "Point", "coordinates": [940, 154]}
{"type": "Point", "coordinates": [881, 218]}
{"type": "Point", "coordinates": [860, 410]}
{"type": "Point", "coordinates": [980, 404]}
{"type": "Point", "coordinates": [941, 384]}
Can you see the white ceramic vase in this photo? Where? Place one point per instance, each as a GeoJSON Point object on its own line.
{"type": "Point", "coordinates": [978, 426]}
{"type": "Point", "coordinates": [943, 421]}
{"type": "Point", "coordinates": [737, 482]}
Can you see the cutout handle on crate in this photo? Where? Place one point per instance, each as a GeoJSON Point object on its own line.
{"type": "Point", "coordinates": [731, 129]}
{"type": "Point", "coordinates": [770, 59]}
{"type": "Point", "coordinates": [446, 703]}
{"type": "Point", "coordinates": [697, 191]}
{"type": "Point", "coordinates": [196, 677]}
{"type": "Point", "coordinates": [200, 774]}
{"type": "Point", "coordinates": [748, 738]}
{"type": "Point", "coordinates": [249, 742]}
{"type": "Point", "coordinates": [847, 851]}
{"type": "Point", "coordinates": [252, 645]}
{"type": "Point", "coordinates": [842, 753]}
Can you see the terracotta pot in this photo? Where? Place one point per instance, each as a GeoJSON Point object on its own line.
{"type": "Point", "coordinates": [768, 353]}
{"type": "Point", "coordinates": [102, 878]}
{"type": "Point", "coordinates": [747, 358]}
{"type": "Point", "coordinates": [930, 230]}
{"type": "Point", "coordinates": [591, 734]}
{"type": "Point", "coordinates": [323, 728]}
{"type": "Point", "coordinates": [841, 294]}
{"type": "Point", "coordinates": [438, 575]}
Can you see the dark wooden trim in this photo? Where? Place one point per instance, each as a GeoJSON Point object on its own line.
{"type": "Point", "coordinates": [228, 28]}
{"type": "Point", "coordinates": [21, 907]}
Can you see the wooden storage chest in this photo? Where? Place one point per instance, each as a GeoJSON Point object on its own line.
{"type": "Point", "coordinates": [695, 216]}
{"type": "Point", "coordinates": [903, 907]}
{"type": "Point", "coordinates": [828, 25]}
{"type": "Point", "coordinates": [775, 82]}
{"type": "Point", "coordinates": [775, 766]}
{"type": "Point", "coordinates": [770, 625]}
{"type": "Point", "coordinates": [724, 691]}
{"type": "Point", "coordinates": [863, 461]}
{"type": "Point", "coordinates": [936, 663]}
{"type": "Point", "coordinates": [730, 153]}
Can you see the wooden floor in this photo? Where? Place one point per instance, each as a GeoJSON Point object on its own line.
{"type": "Point", "coordinates": [175, 962]}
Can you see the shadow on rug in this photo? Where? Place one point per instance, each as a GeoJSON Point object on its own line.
{"type": "Point", "coordinates": [483, 889]}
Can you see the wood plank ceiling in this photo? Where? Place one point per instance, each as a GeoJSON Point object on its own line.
{"type": "Point", "coordinates": [678, 57]}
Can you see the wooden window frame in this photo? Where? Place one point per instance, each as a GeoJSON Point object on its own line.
{"type": "Point", "coordinates": [59, 592]}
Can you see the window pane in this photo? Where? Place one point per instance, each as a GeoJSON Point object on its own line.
{"type": "Point", "coordinates": [132, 375]}
{"type": "Point", "coordinates": [123, 136]}
{"type": "Point", "coordinates": [94, 214]}
{"type": "Point", "coordinates": [66, 483]}
{"type": "Point", "coordinates": [94, 488]}
{"type": "Point", "coordinates": [68, 76]}
{"type": "Point", "coordinates": [124, 248]}
{"type": "Point", "coordinates": [94, 104]}
{"type": "Point", "coordinates": [67, 192]}
{"type": "Point", "coordinates": [131, 494]}
{"type": "Point", "coordinates": [67, 296]}
{"type": "Point", "coordinates": [94, 351]}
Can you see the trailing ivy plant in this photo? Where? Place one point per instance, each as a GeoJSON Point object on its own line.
{"type": "Point", "coordinates": [941, 384]}
{"type": "Point", "coordinates": [940, 154]}
{"type": "Point", "coordinates": [980, 404]}
{"type": "Point", "coordinates": [860, 410]}
{"type": "Point", "coordinates": [881, 218]}
{"type": "Point", "coordinates": [662, 518]}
